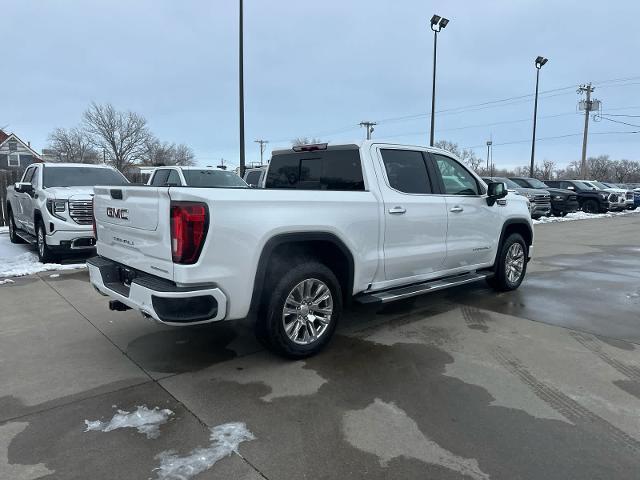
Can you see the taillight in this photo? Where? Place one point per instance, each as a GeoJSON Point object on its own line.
{"type": "Point", "coordinates": [189, 224]}
{"type": "Point", "coordinates": [93, 214]}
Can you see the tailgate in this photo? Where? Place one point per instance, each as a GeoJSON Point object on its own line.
{"type": "Point", "coordinates": [133, 227]}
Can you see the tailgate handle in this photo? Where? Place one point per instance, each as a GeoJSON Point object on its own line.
{"type": "Point", "coordinates": [116, 194]}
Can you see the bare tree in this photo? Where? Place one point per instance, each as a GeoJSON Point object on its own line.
{"type": "Point", "coordinates": [468, 156]}
{"type": "Point", "coordinates": [183, 155]}
{"type": "Point", "coordinates": [623, 169]}
{"type": "Point", "coordinates": [73, 145]}
{"type": "Point", "coordinates": [123, 135]}
{"type": "Point", "coordinates": [305, 141]}
{"type": "Point", "coordinates": [165, 153]}
{"type": "Point", "coordinates": [548, 169]}
{"type": "Point", "coordinates": [599, 167]}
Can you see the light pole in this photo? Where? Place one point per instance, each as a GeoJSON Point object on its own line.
{"type": "Point", "coordinates": [437, 24]}
{"type": "Point", "coordinates": [489, 143]}
{"type": "Point", "coordinates": [540, 61]}
{"type": "Point", "coordinates": [241, 85]}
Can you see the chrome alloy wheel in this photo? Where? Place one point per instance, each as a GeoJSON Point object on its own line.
{"type": "Point", "coordinates": [307, 311]}
{"type": "Point", "coordinates": [40, 241]}
{"type": "Point", "coordinates": [514, 264]}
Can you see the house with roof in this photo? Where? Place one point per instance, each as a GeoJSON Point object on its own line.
{"type": "Point", "coordinates": [14, 153]}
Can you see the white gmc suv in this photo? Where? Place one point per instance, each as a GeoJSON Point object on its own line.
{"type": "Point", "coordinates": [51, 206]}
{"type": "Point", "coordinates": [372, 222]}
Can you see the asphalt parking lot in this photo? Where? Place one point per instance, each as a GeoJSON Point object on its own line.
{"type": "Point", "coordinates": [543, 382]}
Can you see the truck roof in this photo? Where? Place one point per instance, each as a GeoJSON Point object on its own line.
{"type": "Point", "coordinates": [365, 144]}
{"type": "Point", "coordinates": [69, 164]}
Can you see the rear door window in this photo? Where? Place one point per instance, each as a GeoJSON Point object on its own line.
{"type": "Point", "coordinates": [160, 178]}
{"type": "Point", "coordinates": [406, 171]}
{"type": "Point", "coordinates": [173, 180]}
{"type": "Point", "coordinates": [253, 178]}
{"type": "Point", "coordinates": [332, 169]}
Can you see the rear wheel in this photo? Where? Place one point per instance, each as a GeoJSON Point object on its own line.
{"type": "Point", "coordinates": [44, 252]}
{"type": "Point", "coordinates": [302, 311]}
{"type": "Point", "coordinates": [511, 264]}
{"type": "Point", "coordinates": [590, 206]}
{"type": "Point", "coordinates": [13, 236]}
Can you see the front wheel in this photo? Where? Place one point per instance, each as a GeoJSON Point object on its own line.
{"type": "Point", "coordinates": [590, 206]}
{"type": "Point", "coordinates": [511, 264]}
{"type": "Point", "coordinates": [44, 252]}
{"type": "Point", "coordinates": [302, 311]}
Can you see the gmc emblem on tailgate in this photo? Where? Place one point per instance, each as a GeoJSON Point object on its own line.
{"type": "Point", "coordinates": [121, 213]}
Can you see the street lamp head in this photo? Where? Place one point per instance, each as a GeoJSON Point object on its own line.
{"type": "Point", "coordinates": [444, 22]}
{"type": "Point", "coordinates": [438, 23]}
{"type": "Point", "coordinates": [435, 19]}
{"type": "Point", "coordinates": [540, 61]}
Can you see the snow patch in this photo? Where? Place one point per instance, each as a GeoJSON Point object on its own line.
{"type": "Point", "coordinates": [4, 229]}
{"type": "Point", "coordinates": [144, 420]}
{"type": "Point", "coordinates": [225, 440]}
{"type": "Point", "coordinates": [17, 260]}
{"type": "Point", "coordinates": [55, 275]}
{"type": "Point", "coordinates": [584, 216]}
{"type": "Point", "coordinates": [8, 280]}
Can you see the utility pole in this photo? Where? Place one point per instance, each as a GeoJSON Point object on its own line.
{"type": "Point", "coordinates": [437, 24]}
{"type": "Point", "coordinates": [588, 106]}
{"type": "Point", "coordinates": [489, 143]}
{"type": "Point", "coordinates": [222, 166]}
{"type": "Point", "coordinates": [263, 147]}
{"type": "Point", "coordinates": [241, 87]}
{"type": "Point", "coordinates": [539, 63]}
{"type": "Point", "coordinates": [369, 126]}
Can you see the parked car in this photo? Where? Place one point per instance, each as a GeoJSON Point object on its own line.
{"type": "Point", "coordinates": [178, 176]}
{"type": "Point", "coordinates": [255, 176]}
{"type": "Point", "coordinates": [373, 223]}
{"type": "Point", "coordinates": [539, 200]}
{"type": "Point", "coordinates": [619, 202]}
{"type": "Point", "coordinates": [562, 201]}
{"type": "Point", "coordinates": [51, 206]}
{"type": "Point", "coordinates": [589, 199]}
{"type": "Point", "coordinates": [626, 193]}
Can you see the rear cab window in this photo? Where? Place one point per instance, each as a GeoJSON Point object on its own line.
{"type": "Point", "coordinates": [334, 168]}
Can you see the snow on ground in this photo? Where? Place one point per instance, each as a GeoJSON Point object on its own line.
{"type": "Point", "coordinates": [144, 420]}
{"type": "Point", "coordinates": [17, 260]}
{"type": "Point", "coordinates": [225, 440]}
{"type": "Point", "coordinates": [584, 216]}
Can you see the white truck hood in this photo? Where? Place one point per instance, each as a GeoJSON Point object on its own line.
{"type": "Point", "coordinates": [65, 193]}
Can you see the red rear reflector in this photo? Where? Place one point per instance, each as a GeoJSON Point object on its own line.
{"type": "Point", "coordinates": [310, 148]}
{"type": "Point", "coordinates": [189, 224]}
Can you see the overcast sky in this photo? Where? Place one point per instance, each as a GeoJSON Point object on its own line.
{"type": "Point", "coordinates": [319, 68]}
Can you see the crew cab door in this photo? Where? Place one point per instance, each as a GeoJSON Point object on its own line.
{"type": "Point", "coordinates": [30, 199]}
{"type": "Point", "coordinates": [415, 220]}
{"type": "Point", "coordinates": [473, 228]}
{"type": "Point", "coordinates": [23, 200]}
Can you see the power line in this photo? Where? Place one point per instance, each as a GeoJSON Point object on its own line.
{"type": "Point", "coordinates": [615, 121]}
{"type": "Point", "coordinates": [554, 138]}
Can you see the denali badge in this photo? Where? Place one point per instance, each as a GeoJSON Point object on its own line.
{"type": "Point", "coordinates": [121, 213]}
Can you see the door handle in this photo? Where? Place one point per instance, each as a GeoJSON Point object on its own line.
{"type": "Point", "coordinates": [397, 210]}
{"type": "Point", "coordinates": [457, 209]}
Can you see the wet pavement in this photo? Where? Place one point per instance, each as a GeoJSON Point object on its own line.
{"type": "Point", "coordinates": [543, 382]}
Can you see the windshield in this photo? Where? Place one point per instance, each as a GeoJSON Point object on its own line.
{"type": "Point", "coordinates": [81, 177]}
{"type": "Point", "coordinates": [583, 186]}
{"type": "Point", "coordinates": [535, 183]}
{"type": "Point", "coordinates": [511, 185]}
{"type": "Point", "coordinates": [599, 185]}
{"type": "Point", "coordinates": [213, 179]}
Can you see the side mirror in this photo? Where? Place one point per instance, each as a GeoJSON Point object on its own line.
{"type": "Point", "coordinates": [495, 191]}
{"type": "Point", "coordinates": [23, 187]}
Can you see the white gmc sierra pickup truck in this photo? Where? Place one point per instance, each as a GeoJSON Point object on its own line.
{"type": "Point", "coordinates": [372, 222]}
{"type": "Point", "coordinates": [51, 206]}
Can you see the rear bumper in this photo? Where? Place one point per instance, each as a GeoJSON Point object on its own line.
{"type": "Point", "coordinates": [156, 297]}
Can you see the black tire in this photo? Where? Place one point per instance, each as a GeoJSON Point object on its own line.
{"type": "Point", "coordinates": [501, 281]}
{"type": "Point", "coordinates": [590, 206]}
{"type": "Point", "coordinates": [270, 325]}
{"type": "Point", "coordinates": [13, 237]}
{"type": "Point", "coordinates": [45, 255]}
